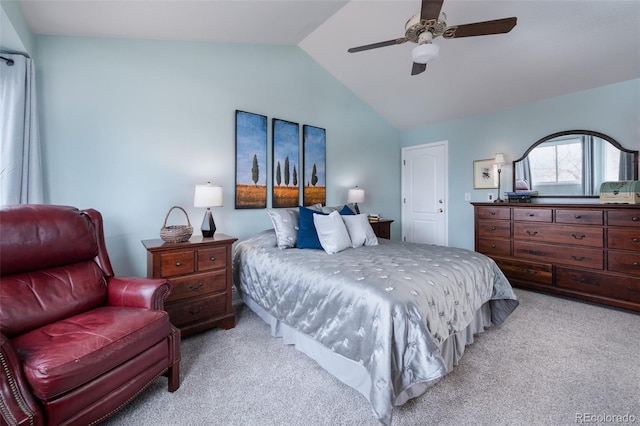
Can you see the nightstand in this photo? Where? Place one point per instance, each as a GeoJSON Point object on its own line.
{"type": "Point", "coordinates": [382, 228]}
{"type": "Point", "coordinates": [200, 272]}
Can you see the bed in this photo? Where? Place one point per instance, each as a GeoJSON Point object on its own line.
{"type": "Point", "coordinates": [388, 319]}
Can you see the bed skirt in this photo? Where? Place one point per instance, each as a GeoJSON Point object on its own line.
{"type": "Point", "coordinates": [355, 375]}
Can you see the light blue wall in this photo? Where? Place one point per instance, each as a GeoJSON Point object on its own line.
{"type": "Point", "coordinates": [128, 127]}
{"type": "Point", "coordinates": [613, 110]}
{"type": "Point", "coordinates": [15, 35]}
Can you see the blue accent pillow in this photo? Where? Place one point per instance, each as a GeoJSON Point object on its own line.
{"type": "Point", "coordinates": [346, 211]}
{"type": "Point", "coordinates": [307, 234]}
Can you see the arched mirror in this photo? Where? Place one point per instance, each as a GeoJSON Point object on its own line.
{"type": "Point", "coordinates": [573, 164]}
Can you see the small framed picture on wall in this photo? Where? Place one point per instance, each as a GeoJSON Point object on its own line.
{"type": "Point", "coordinates": [485, 174]}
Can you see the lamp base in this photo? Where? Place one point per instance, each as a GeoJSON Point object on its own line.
{"type": "Point", "coordinates": [356, 208]}
{"type": "Point", "coordinates": [208, 227]}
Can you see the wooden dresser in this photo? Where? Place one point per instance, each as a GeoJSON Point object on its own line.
{"type": "Point", "coordinates": [200, 272]}
{"type": "Point", "coordinates": [586, 251]}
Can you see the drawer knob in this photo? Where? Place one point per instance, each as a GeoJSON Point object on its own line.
{"type": "Point", "coordinates": [178, 263]}
{"type": "Point", "coordinates": [194, 311]}
{"type": "Point", "coordinates": [531, 214]}
{"type": "Point", "coordinates": [493, 228]}
{"type": "Point", "coordinates": [578, 258]}
{"type": "Point", "coordinates": [636, 240]}
{"type": "Point", "coordinates": [212, 258]}
{"type": "Point", "coordinates": [578, 238]}
{"type": "Point", "coordinates": [636, 219]}
{"type": "Point", "coordinates": [493, 213]}
{"type": "Point", "coordinates": [636, 264]}
{"type": "Point", "coordinates": [196, 287]}
{"type": "Point", "coordinates": [578, 216]}
{"type": "Point", "coordinates": [532, 232]}
{"type": "Point", "coordinates": [493, 246]}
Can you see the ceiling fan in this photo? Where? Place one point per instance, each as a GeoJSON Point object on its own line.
{"type": "Point", "coordinates": [430, 23]}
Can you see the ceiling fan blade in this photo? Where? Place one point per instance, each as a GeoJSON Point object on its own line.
{"type": "Point", "coordinates": [430, 9]}
{"type": "Point", "coordinates": [376, 45]}
{"type": "Point", "coordinates": [497, 26]}
{"type": "Point", "coordinates": [418, 68]}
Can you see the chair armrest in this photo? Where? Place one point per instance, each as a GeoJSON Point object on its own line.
{"type": "Point", "coordinates": [17, 403]}
{"type": "Point", "coordinates": [137, 292]}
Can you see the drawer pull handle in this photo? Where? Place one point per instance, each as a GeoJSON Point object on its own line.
{"type": "Point", "coordinates": [194, 311]}
{"type": "Point", "coordinates": [532, 233]}
{"type": "Point", "coordinates": [494, 213]}
{"type": "Point", "coordinates": [178, 263]}
{"type": "Point", "coordinates": [636, 218]}
{"type": "Point", "coordinates": [578, 238]}
{"type": "Point", "coordinates": [633, 290]}
{"type": "Point", "coordinates": [493, 228]}
{"type": "Point", "coordinates": [636, 264]}
{"type": "Point", "coordinates": [578, 216]}
{"type": "Point", "coordinates": [196, 287]}
{"type": "Point", "coordinates": [579, 258]}
{"type": "Point", "coordinates": [213, 259]}
{"type": "Point", "coordinates": [582, 280]}
{"type": "Point", "coordinates": [531, 214]}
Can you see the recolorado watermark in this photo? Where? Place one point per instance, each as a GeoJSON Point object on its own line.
{"type": "Point", "coordinates": [606, 418]}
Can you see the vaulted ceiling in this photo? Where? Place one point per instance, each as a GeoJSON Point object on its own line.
{"type": "Point", "coordinates": [556, 48]}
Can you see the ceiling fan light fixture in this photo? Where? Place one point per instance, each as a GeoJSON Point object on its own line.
{"type": "Point", "coordinates": [424, 53]}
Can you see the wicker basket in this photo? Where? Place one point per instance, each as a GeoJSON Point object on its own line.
{"type": "Point", "coordinates": [176, 233]}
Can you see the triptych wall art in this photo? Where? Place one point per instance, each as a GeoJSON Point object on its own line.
{"type": "Point", "coordinates": [287, 174]}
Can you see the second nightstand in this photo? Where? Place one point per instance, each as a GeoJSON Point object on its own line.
{"type": "Point", "coordinates": [382, 228]}
{"type": "Point", "coordinates": [200, 272]}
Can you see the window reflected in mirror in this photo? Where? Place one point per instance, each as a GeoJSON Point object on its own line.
{"type": "Point", "coordinates": [573, 164]}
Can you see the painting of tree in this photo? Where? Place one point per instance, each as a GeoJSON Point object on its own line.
{"type": "Point", "coordinates": [251, 160]}
{"type": "Point", "coordinates": [314, 141]}
{"type": "Point", "coordinates": [286, 154]}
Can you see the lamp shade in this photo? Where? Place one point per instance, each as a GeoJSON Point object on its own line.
{"type": "Point", "coordinates": [424, 53]}
{"type": "Point", "coordinates": [208, 196]}
{"type": "Point", "coordinates": [355, 195]}
{"type": "Point", "coordinates": [499, 158]}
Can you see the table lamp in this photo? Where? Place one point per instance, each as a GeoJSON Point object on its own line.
{"type": "Point", "coordinates": [355, 196]}
{"type": "Point", "coordinates": [208, 196]}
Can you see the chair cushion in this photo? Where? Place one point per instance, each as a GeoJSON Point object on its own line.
{"type": "Point", "coordinates": [66, 354]}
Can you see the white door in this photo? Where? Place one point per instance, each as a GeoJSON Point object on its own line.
{"type": "Point", "coordinates": [424, 186]}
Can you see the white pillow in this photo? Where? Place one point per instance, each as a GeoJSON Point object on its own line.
{"type": "Point", "coordinates": [285, 222]}
{"type": "Point", "coordinates": [360, 230]}
{"type": "Point", "coordinates": [332, 233]}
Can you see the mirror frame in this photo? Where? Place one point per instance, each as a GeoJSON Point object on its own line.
{"type": "Point", "coordinates": [573, 132]}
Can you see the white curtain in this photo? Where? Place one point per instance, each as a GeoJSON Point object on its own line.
{"type": "Point", "coordinates": [20, 164]}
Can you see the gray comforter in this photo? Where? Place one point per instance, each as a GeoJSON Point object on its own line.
{"type": "Point", "coordinates": [388, 307]}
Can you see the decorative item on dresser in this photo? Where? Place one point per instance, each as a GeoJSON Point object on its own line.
{"type": "Point", "coordinates": [381, 227]}
{"type": "Point", "coordinates": [355, 196]}
{"type": "Point", "coordinates": [200, 271]}
{"type": "Point", "coordinates": [208, 196]}
{"type": "Point", "coordinates": [586, 251]}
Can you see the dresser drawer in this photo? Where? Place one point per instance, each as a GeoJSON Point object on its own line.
{"type": "Point", "coordinates": [177, 263]}
{"type": "Point", "coordinates": [192, 310]}
{"type": "Point", "coordinates": [591, 236]}
{"type": "Point", "coordinates": [624, 239]}
{"type": "Point", "coordinates": [494, 229]}
{"type": "Point", "coordinates": [568, 255]}
{"type": "Point", "coordinates": [212, 258]}
{"type": "Point", "coordinates": [625, 262]}
{"type": "Point", "coordinates": [197, 285]}
{"type": "Point", "coordinates": [499, 213]}
{"type": "Point", "coordinates": [494, 247]}
{"type": "Point", "coordinates": [616, 287]}
{"type": "Point", "coordinates": [624, 218]}
{"type": "Point", "coordinates": [533, 215]}
{"type": "Point", "coordinates": [540, 273]}
{"type": "Point", "coordinates": [584, 217]}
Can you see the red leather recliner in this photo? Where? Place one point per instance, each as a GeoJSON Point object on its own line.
{"type": "Point", "coordinates": [76, 343]}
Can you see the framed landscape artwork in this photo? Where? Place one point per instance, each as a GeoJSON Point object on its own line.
{"type": "Point", "coordinates": [286, 158]}
{"type": "Point", "coordinates": [314, 143]}
{"type": "Point", "coordinates": [251, 160]}
{"type": "Point", "coordinates": [485, 174]}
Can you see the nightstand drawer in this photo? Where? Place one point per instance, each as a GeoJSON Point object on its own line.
{"type": "Point", "coordinates": [193, 310]}
{"type": "Point", "coordinates": [177, 263]}
{"type": "Point", "coordinates": [213, 258]}
{"type": "Point", "coordinates": [198, 285]}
